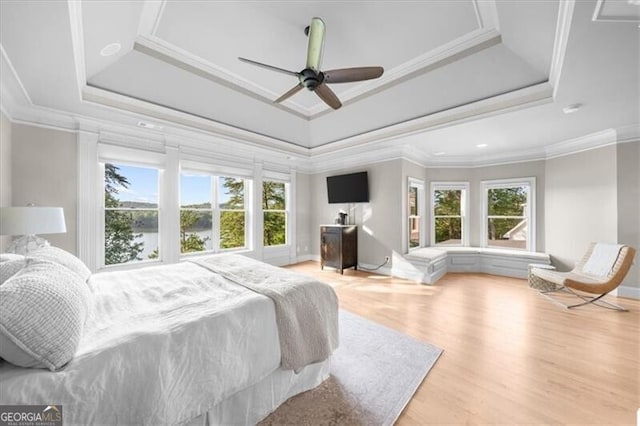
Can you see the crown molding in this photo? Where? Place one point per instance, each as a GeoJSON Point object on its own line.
{"type": "Point", "coordinates": [563, 28]}
{"type": "Point", "coordinates": [206, 144]}
{"type": "Point", "coordinates": [171, 117]}
{"type": "Point", "coordinates": [163, 51]}
{"type": "Point", "coordinates": [13, 83]}
{"type": "Point", "coordinates": [77, 44]}
{"type": "Point", "coordinates": [629, 133]}
{"type": "Point", "coordinates": [452, 51]}
{"type": "Point", "coordinates": [583, 143]}
{"type": "Point", "coordinates": [537, 94]}
{"type": "Point", "coordinates": [599, 17]}
{"type": "Point", "coordinates": [455, 50]}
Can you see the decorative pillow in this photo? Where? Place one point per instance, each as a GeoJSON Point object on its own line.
{"type": "Point", "coordinates": [10, 268]}
{"type": "Point", "coordinates": [43, 309]}
{"type": "Point", "coordinates": [64, 258]}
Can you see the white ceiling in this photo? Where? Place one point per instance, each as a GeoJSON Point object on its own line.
{"type": "Point", "coordinates": [457, 73]}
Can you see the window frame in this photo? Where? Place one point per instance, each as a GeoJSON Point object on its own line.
{"type": "Point", "coordinates": [421, 206]}
{"type": "Point", "coordinates": [102, 264]}
{"type": "Point", "coordinates": [286, 211]}
{"type": "Point", "coordinates": [216, 211]}
{"type": "Point", "coordinates": [464, 210]}
{"type": "Point", "coordinates": [530, 183]}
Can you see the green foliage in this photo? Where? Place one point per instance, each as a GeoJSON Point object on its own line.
{"type": "Point", "coordinates": [120, 244]}
{"type": "Point", "coordinates": [189, 240]}
{"type": "Point", "coordinates": [447, 203]}
{"type": "Point", "coordinates": [505, 202]}
{"type": "Point", "coordinates": [275, 222]}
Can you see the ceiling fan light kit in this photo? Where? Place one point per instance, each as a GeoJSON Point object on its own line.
{"type": "Point", "coordinates": [315, 80]}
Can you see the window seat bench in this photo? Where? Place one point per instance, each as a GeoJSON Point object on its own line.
{"type": "Point", "coordinates": [429, 264]}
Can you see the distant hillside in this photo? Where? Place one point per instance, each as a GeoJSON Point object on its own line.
{"type": "Point", "coordinates": [138, 205]}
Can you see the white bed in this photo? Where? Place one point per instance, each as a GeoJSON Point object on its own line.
{"type": "Point", "coordinates": [174, 344]}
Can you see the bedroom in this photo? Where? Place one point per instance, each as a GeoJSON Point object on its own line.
{"type": "Point", "coordinates": [473, 73]}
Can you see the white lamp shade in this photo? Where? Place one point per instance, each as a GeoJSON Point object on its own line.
{"type": "Point", "coordinates": [31, 220]}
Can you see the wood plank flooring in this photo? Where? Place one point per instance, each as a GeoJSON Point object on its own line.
{"type": "Point", "coordinates": [510, 355]}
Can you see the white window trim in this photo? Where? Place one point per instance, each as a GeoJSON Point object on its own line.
{"type": "Point", "coordinates": [417, 183]}
{"type": "Point", "coordinates": [464, 207]}
{"type": "Point", "coordinates": [531, 208]}
{"type": "Point", "coordinates": [270, 176]}
{"type": "Point", "coordinates": [216, 211]}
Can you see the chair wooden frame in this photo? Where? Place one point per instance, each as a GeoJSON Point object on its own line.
{"type": "Point", "coordinates": [577, 282]}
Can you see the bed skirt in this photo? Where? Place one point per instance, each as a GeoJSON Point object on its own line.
{"type": "Point", "coordinates": [256, 402]}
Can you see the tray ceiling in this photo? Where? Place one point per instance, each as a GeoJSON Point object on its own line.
{"type": "Point", "coordinates": [183, 56]}
{"type": "Point", "coordinates": [456, 72]}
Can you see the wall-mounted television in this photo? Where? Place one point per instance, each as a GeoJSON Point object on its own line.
{"type": "Point", "coordinates": [351, 188]}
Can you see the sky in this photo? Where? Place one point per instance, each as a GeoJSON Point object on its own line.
{"type": "Point", "coordinates": [143, 186]}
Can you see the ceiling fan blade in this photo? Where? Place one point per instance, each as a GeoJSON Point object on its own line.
{"type": "Point", "coordinates": [269, 67]}
{"type": "Point", "coordinates": [328, 96]}
{"type": "Point", "coordinates": [316, 41]}
{"type": "Point", "coordinates": [347, 75]}
{"type": "Point", "coordinates": [290, 93]}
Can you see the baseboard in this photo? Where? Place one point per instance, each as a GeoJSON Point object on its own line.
{"type": "Point", "coordinates": [307, 257]}
{"type": "Point", "coordinates": [629, 292]}
{"type": "Point", "coordinates": [369, 268]}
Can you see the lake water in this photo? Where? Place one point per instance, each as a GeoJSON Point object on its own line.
{"type": "Point", "coordinates": [150, 240]}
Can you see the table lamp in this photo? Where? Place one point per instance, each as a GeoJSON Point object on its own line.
{"type": "Point", "coordinates": [28, 221]}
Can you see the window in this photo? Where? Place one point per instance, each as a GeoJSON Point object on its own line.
{"type": "Point", "coordinates": [449, 208]}
{"type": "Point", "coordinates": [130, 213]}
{"type": "Point", "coordinates": [508, 207]}
{"type": "Point", "coordinates": [196, 213]}
{"type": "Point", "coordinates": [232, 212]}
{"type": "Point", "coordinates": [415, 209]}
{"type": "Point", "coordinates": [274, 207]}
{"type": "Point", "coordinates": [205, 225]}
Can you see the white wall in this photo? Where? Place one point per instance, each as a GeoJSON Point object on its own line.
{"type": "Point", "coordinates": [5, 172]}
{"type": "Point", "coordinates": [476, 175]}
{"type": "Point", "coordinates": [303, 216]}
{"type": "Point", "coordinates": [628, 158]}
{"type": "Point", "coordinates": [379, 221]}
{"type": "Point", "coordinates": [581, 203]}
{"type": "Point", "coordinates": [44, 173]}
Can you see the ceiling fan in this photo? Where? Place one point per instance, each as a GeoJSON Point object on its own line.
{"type": "Point", "coordinates": [315, 80]}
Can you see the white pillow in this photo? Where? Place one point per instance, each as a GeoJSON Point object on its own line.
{"type": "Point", "coordinates": [43, 309]}
{"type": "Point", "coordinates": [64, 258]}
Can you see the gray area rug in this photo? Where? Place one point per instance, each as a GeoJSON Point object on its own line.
{"type": "Point", "coordinates": [374, 374]}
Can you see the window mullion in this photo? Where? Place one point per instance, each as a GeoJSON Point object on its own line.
{"type": "Point", "coordinates": [215, 214]}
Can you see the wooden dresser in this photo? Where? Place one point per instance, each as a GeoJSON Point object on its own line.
{"type": "Point", "coordinates": [339, 246]}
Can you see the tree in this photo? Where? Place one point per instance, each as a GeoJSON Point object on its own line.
{"type": "Point", "coordinates": [232, 224]}
{"type": "Point", "coordinates": [273, 198]}
{"type": "Point", "coordinates": [505, 202]}
{"type": "Point", "coordinates": [447, 203]}
{"type": "Point", "coordinates": [120, 241]}
{"type": "Point", "coordinates": [190, 241]}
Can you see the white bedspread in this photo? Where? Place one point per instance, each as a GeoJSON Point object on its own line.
{"type": "Point", "coordinates": [163, 345]}
{"type": "Point", "coordinates": [306, 309]}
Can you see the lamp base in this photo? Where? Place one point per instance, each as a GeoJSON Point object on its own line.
{"type": "Point", "coordinates": [27, 243]}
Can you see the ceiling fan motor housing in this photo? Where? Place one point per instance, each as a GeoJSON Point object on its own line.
{"type": "Point", "coordinates": [310, 79]}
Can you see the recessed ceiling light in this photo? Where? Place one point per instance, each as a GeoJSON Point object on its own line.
{"type": "Point", "coordinates": [482, 145]}
{"type": "Point", "coordinates": [571, 108]}
{"type": "Point", "coordinates": [439, 153]}
{"type": "Point", "coordinates": [634, 2]}
{"type": "Point", "coordinates": [149, 125]}
{"type": "Point", "coordinates": [110, 49]}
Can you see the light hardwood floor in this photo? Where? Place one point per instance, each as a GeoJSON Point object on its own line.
{"type": "Point", "coordinates": [510, 355]}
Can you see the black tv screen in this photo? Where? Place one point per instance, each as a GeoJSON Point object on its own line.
{"type": "Point", "coordinates": [351, 188]}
